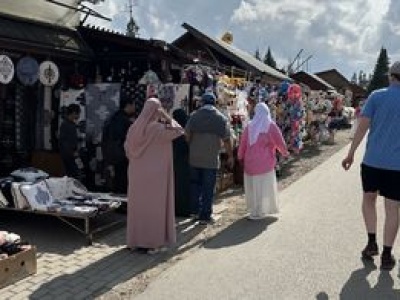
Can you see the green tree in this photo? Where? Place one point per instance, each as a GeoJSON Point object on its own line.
{"type": "Point", "coordinates": [257, 54]}
{"type": "Point", "coordinates": [269, 60]}
{"type": "Point", "coordinates": [380, 78]}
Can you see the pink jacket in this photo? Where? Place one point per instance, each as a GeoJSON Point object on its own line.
{"type": "Point", "coordinates": [260, 158]}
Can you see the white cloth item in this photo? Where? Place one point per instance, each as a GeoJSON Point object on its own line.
{"type": "Point", "coordinates": [3, 200]}
{"type": "Point", "coordinates": [261, 193]}
{"type": "Point", "coordinates": [59, 187]}
{"type": "Point", "coordinates": [76, 187]}
{"type": "Point", "coordinates": [20, 202]}
{"type": "Point", "coordinates": [261, 122]}
{"type": "Point", "coordinates": [38, 195]}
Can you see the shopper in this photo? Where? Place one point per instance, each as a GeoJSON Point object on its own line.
{"type": "Point", "coordinates": [257, 151]}
{"type": "Point", "coordinates": [205, 130]}
{"type": "Point", "coordinates": [114, 134]}
{"type": "Point", "coordinates": [181, 168]}
{"type": "Point", "coordinates": [68, 141]}
{"type": "Point", "coordinates": [380, 169]}
{"type": "Point", "coordinates": [151, 220]}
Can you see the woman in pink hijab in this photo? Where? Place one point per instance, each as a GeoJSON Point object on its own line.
{"type": "Point", "coordinates": [257, 150]}
{"type": "Point", "coordinates": [148, 146]}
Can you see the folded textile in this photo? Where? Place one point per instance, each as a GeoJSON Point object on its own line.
{"type": "Point", "coordinates": [29, 174]}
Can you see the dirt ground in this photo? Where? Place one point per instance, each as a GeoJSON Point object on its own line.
{"type": "Point", "coordinates": [230, 207]}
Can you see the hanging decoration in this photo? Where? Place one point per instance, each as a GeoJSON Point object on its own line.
{"type": "Point", "coordinates": [77, 81]}
{"type": "Point", "coordinates": [6, 69]}
{"type": "Point", "coordinates": [48, 73]}
{"type": "Point", "coordinates": [150, 77]}
{"type": "Point", "coordinates": [28, 70]}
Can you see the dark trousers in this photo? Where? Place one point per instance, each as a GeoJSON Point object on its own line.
{"type": "Point", "coordinates": [202, 185]}
{"type": "Point", "coordinates": [121, 178]}
{"type": "Point", "coordinates": [70, 167]}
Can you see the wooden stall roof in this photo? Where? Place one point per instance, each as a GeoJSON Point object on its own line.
{"type": "Point", "coordinates": [115, 45]}
{"type": "Point", "coordinates": [334, 78]}
{"type": "Point", "coordinates": [358, 91]}
{"type": "Point", "coordinates": [313, 81]}
{"type": "Point", "coordinates": [241, 58]}
{"type": "Point", "coordinates": [36, 37]}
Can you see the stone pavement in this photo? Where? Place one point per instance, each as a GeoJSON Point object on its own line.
{"type": "Point", "coordinates": [311, 252]}
{"type": "Point", "coordinates": [69, 269]}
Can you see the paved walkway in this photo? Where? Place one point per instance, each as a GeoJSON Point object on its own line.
{"type": "Point", "coordinates": [69, 269]}
{"type": "Point", "coordinates": [311, 252]}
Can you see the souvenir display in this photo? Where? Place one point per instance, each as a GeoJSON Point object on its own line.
{"type": "Point", "coordinates": [166, 94]}
{"type": "Point", "coordinates": [6, 69]}
{"type": "Point", "coordinates": [150, 77]}
{"type": "Point", "coordinates": [28, 70]}
{"type": "Point", "coordinates": [48, 73]}
{"type": "Point", "coordinates": [102, 102]}
{"type": "Point", "coordinates": [53, 194]}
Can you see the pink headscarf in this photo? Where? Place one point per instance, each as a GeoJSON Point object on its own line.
{"type": "Point", "coordinates": [144, 131]}
{"type": "Point", "coordinates": [260, 123]}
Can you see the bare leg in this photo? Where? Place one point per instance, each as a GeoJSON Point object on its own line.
{"type": "Point", "coordinates": [391, 222]}
{"type": "Point", "coordinates": [369, 211]}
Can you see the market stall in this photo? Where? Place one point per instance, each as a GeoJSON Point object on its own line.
{"type": "Point", "coordinates": [33, 191]}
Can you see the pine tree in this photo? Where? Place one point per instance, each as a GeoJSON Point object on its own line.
{"type": "Point", "coordinates": [257, 54]}
{"type": "Point", "coordinates": [380, 78]}
{"type": "Point", "coordinates": [360, 77]}
{"type": "Point", "coordinates": [269, 60]}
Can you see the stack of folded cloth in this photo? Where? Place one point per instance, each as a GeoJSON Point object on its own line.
{"type": "Point", "coordinates": [83, 205]}
{"type": "Point", "coordinates": [10, 244]}
{"type": "Point", "coordinates": [71, 207]}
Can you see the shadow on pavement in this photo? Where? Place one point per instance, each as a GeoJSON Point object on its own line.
{"type": "Point", "coordinates": [358, 286]}
{"type": "Point", "coordinates": [103, 275]}
{"type": "Point", "coordinates": [235, 191]}
{"type": "Point", "coordinates": [49, 234]}
{"type": "Point", "coordinates": [308, 152]}
{"type": "Point", "coordinates": [240, 232]}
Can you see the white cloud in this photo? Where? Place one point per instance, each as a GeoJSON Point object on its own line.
{"type": "Point", "coordinates": [343, 34]}
{"type": "Point", "coordinates": [345, 29]}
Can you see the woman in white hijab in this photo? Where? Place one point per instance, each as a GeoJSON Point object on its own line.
{"type": "Point", "coordinates": [257, 151]}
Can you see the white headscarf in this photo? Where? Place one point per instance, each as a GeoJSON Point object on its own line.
{"type": "Point", "coordinates": [260, 123]}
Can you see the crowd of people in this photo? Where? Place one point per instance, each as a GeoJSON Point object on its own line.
{"type": "Point", "coordinates": [168, 165]}
{"type": "Point", "coordinates": [149, 147]}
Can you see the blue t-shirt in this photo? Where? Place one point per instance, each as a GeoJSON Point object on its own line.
{"type": "Point", "coordinates": [383, 144]}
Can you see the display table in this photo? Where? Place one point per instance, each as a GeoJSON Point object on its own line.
{"type": "Point", "coordinates": [66, 199]}
{"type": "Point", "coordinates": [86, 219]}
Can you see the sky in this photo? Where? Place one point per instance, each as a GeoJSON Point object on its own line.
{"type": "Point", "coordinates": [342, 34]}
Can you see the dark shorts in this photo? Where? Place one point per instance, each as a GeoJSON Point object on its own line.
{"type": "Point", "coordinates": [385, 182]}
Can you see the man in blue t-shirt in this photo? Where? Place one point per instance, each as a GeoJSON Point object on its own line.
{"type": "Point", "coordinates": [380, 169]}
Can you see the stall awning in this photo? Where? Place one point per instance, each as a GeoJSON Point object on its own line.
{"type": "Point", "coordinates": [35, 37]}
{"type": "Point", "coordinates": [243, 59]}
